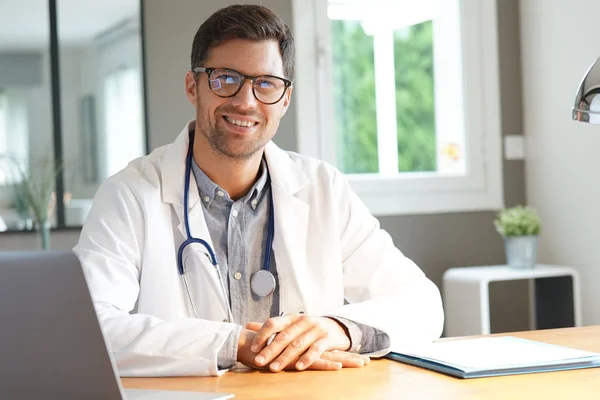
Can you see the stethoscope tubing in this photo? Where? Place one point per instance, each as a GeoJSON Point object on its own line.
{"type": "Point", "coordinates": [211, 254]}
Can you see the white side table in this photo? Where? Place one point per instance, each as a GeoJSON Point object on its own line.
{"type": "Point", "coordinates": [467, 303]}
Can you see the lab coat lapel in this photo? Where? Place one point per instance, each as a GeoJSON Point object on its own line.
{"type": "Point", "coordinates": [291, 226]}
{"type": "Point", "coordinates": [173, 173]}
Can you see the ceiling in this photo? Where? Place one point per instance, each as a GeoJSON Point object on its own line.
{"type": "Point", "coordinates": [24, 23]}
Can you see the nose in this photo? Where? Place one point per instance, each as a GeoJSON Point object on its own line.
{"type": "Point", "coordinates": [245, 99]}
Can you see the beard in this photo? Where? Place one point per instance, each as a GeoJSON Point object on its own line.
{"type": "Point", "coordinates": [229, 146]}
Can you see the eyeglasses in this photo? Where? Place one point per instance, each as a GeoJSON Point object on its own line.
{"type": "Point", "coordinates": [267, 89]}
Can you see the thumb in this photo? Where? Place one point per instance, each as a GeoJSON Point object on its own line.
{"type": "Point", "coordinates": [254, 326]}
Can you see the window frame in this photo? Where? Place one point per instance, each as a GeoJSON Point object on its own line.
{"type": "Point", "coordinates": [416, 192]}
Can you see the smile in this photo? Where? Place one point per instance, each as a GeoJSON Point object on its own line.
{"type": "Point", "coordinates": [237, 122]}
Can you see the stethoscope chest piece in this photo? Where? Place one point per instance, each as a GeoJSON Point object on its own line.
{"type": "Point", "coordinates": [262, 283]}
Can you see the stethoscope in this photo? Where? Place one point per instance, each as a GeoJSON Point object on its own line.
{"type": "Point", "coordinates": [262, 282]}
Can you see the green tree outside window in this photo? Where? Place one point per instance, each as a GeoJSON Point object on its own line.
{"type": "Point", "coordinates": [353, 74]}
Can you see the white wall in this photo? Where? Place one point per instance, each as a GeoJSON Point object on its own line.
{"type": "Point", "coordinates": [560, 40]}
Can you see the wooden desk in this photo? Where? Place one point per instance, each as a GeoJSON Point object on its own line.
{"type": "Point", "coordinates": [384, 379]}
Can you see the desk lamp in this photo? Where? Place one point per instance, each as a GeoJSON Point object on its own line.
{"type": "Point", "coordinates": [587, 102]}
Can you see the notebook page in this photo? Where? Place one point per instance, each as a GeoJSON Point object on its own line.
{"type": "Point", "coordinates": [495, 352]}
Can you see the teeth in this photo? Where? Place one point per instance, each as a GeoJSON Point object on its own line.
{"type": "Point", "coordinates": [240, 123]}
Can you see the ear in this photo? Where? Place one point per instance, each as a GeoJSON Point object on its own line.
{"type": "Point", "coordinates": [286, 101]}
{"type": "Point", "coordinates": [190, 88]}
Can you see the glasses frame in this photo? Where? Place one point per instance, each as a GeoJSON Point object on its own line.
{"type": "Point", "coordinates": [251, 78]}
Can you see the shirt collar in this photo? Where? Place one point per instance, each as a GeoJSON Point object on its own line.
{"type": "Point", "coordinates": [209, 190]}
{"type": "Point", "coordinates": [257, 191]}
{"type": "Point", "coordinates": [206, 187]}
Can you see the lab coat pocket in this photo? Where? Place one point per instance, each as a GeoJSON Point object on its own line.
{"type": "Point", "coordinates": [201, 282]}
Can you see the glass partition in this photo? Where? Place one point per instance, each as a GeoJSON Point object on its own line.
{"type": "Point", "coordinates": [71, 103]}
{"type": "Point", "coordinates": [100, 51]}
{"type": "Point", "coordinates": [26, 141]}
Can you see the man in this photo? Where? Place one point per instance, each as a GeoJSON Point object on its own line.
{"type": "Point", "coordinates": [222, 248]}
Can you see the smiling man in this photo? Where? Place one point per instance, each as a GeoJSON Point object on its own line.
{"type": "Point", "coordinates": [222, 249]}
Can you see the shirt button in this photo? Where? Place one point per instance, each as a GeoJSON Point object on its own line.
{"type": "Point", "coordinates": [220, 193]}
{"type": "Point", "coordinates": [237, 276]}
{"type": "Point", "coordinates": [234, 213]}
{"type": "Point", "coordinates": [206, 199]}
{"type": "Point", "coordinates": [254, 202]}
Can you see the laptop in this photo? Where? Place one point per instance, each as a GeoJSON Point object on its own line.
{"type": "Point", "coordinates": [51, 344]}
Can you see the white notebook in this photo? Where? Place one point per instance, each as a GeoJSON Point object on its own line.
{"type": "Point", "coordinates": [492, 356]}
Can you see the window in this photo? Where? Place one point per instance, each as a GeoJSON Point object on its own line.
{"type": "Point", "coordinates": [407, 100]}
{"type": "Point", "coordinates": [14, 144]}
{"type": "Point", "coordinates": [124, 119]}
{"type": "Point", "coordinates": [3, 137]}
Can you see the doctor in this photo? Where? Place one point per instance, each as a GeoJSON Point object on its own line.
{"type": "Point", "coordinates": [222, 248]}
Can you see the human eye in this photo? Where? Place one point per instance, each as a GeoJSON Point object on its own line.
{"type": "Point", "coordinates": [266, 83]}
{"type": "Point", "coordinates": [227, 77]}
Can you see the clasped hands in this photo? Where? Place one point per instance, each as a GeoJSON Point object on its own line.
{"type": "Point", "coordinates": [301, 342]}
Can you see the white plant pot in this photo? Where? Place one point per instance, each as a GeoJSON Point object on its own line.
{"type": "Point", "coordinates": [521, 251]}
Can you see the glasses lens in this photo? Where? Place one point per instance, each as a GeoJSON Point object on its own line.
{"type": "Point", "coordinates": [268, 89]}
{"type": "Point", "coordinates": [224, 82]}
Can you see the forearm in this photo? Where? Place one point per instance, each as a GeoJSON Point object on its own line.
{"type": "Point", "coordinates": [244, 354]}
{"type": "Point", "coordinates": [143, 345]}
{"type": "Point", "coordinates": [228, 353]}
{"type": "Point", "coordinates": [363, 338]}
{"type": "Point", "coordinates": [413, 315]}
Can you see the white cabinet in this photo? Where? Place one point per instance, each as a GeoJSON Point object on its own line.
{"type": "Point", "coordinates": [552, 302]}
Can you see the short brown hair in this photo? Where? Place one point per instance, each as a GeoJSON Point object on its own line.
{"type": "Point", "coordinates": [250, 22]}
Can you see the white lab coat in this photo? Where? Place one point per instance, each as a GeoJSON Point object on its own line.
{"type": "Point", "coordinates": [327, 247]}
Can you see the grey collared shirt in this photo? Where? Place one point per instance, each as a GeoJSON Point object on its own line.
{"type": "Point", "coordinates": [238, 231]}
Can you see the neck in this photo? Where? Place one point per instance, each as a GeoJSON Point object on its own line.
{"type": "Point", "coordinates": [235, 176]}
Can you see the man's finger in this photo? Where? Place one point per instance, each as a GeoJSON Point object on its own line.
{"type": "Point", "coordinates": [337, 354]}
{"type": "Point", "coordinates": [348, 360]}
{"type": "Point", "coordinates": [290, 353]}
{"type": "Point", "coordinates": [325, 365]}
{"type": "Point", "coordinates": [254, 326]}
{"type": "Point", "coordinates": [313, 354]}
{"type": "Point", "coordinates": [290, 342]}
{"type": "Point", "coordinates": [271, 326]}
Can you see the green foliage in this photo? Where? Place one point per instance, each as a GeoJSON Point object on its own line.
{"type": "Point", "coordinates": [518, 221]}
{"type": "Point", "coordinates": [415, 105]}
{"type": "Point", "coordinates": [353, 74]}
{"type": "Point", "coordinates": [20, 200]}
{"type": "Point", "coordinates": [354, 98]}
{"type": "Point", "coordinates": [33, 186]}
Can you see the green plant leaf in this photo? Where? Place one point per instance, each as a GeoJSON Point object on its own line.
{"type": "Point", "coordinates": [518, 221]}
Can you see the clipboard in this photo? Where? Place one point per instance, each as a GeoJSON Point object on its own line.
{"type": "Point", "coordinates": [494, 356]}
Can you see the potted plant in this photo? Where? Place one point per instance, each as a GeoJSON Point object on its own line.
{"type": "Point", "coordinates": [21, 205]}
{"type": "Point", "coordinates": [33, 189]}
{"type": "Point", "coordinates": [520, 227]}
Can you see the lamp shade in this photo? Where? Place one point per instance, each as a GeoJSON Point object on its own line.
{"type": "Point", "coordinates": [587, 101]}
